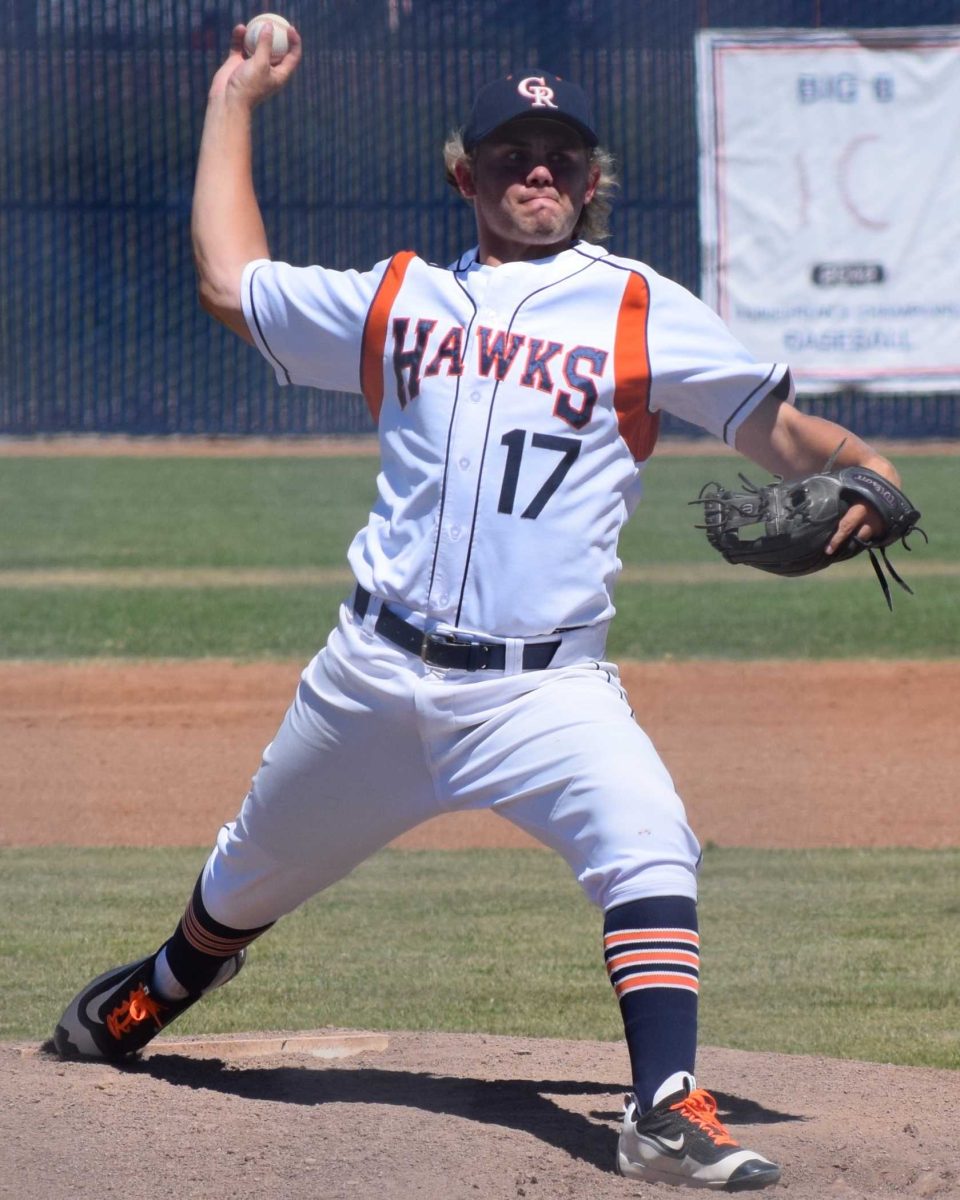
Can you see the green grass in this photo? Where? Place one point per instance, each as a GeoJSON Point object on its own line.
{"type": "Point", "coordinates": [63, 513]}
{"type": "Point", "coordinates": [809, 618]}
{"type": "Point", "coordinates": [166, 622]}
{"type": "Point", "coordinates": [819, 617]}
{"type": "Point", "coordinates": [842, 953]}
{"type": "Point", "coordinates": [181, 512]}
{"type": "Point", "coordinates": [846, 953]}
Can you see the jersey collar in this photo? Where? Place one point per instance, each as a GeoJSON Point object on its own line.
{"type": "Point", "coordinates": [469, 260]}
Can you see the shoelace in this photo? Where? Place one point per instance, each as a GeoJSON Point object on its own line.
{"type": "Point", "coordinates": [889, 565]}
{"type": "Point", "coordinates": [700, 1108]}
{"type": "Point", "coordinates": [139, 1006]}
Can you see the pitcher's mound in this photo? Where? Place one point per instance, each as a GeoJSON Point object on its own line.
{"type": "Point", "coordinates": [333, 1114]}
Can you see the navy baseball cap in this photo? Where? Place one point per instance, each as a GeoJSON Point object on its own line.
{"type": "Point", "coordinates": [529, 93]}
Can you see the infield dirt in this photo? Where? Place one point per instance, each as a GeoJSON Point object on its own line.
{"type": "Point", "coordinates": [161, 753]}
{"type": "Point", "coordinates": [773, 754]}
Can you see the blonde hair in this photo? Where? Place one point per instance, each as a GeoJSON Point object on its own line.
{"type": "Point", "coordinates": [593, 224]}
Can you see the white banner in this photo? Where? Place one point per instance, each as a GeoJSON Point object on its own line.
{"type": "Point", "coordinates": [830, 201]}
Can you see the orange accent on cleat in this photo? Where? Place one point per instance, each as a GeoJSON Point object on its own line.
{"type": "Point", "coordinates": [139, 1006]}
{"type": "Point", "coordinates": [701, 1108]}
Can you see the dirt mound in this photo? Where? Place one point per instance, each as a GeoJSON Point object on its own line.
{"type": "Point", "coordinates": [450, 1117]}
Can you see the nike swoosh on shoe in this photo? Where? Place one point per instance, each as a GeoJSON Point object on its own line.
{"type": "Point", "coordinates": [671, 1145]}
{"type": "Point", "coordinates": [110, 984]}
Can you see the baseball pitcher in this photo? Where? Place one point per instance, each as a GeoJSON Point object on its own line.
{"type": "Point", "coordinates": [516, 394]}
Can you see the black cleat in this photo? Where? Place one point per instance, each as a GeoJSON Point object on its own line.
{"type": "Point", "coordinates": [116, 1015]}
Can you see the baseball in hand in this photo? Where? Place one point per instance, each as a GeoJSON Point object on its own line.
{"type": "Point", "coordinates": [280, 41]}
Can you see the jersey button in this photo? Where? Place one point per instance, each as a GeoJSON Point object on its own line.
{"type": "Point", "coordinates": [464, 463]}
{"type": "Point", "coordinates": [474, 395]}
{"type": "Point", "coordinates": [455, 532]}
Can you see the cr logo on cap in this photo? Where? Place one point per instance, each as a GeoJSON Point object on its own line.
{"type": "Point", "coordinates": [535, 88]}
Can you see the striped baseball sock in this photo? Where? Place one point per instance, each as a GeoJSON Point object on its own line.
{"type": "Point", "coordinates": [652, 952]}
{"type": "Point", "coordinates": [188, 962]}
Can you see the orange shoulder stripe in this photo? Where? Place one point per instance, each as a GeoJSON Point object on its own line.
{"type": "Point", "coordinates": [375, 332]}
{"type": "Point", "coordinates": [639, 427]}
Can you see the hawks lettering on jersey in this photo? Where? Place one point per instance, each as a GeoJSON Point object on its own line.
{"type": "Point", "coordinates": [500, 354]}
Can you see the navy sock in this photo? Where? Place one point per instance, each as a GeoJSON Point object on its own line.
{"type": "Point", "coordinates": [197, 950]}
{"type": "Point", "coordinates": [652, 952]}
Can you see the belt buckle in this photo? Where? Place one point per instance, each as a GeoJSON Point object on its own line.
{"type": "Point", "coordinates": [430, 640]}
{"type": "Point", "coordinates": [473, 648]}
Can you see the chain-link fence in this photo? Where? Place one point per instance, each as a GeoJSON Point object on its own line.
{"type": "Point", "coordinates": [103, 101]}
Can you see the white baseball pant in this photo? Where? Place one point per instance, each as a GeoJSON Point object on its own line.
{"type": "Point", "coordinates": [375, 742]}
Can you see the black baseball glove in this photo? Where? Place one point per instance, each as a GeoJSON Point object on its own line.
{"type": "Point", "coordinates": [798, 519]}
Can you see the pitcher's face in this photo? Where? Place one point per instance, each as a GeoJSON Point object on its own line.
{"type": "Point", "coordinates": [529, 183]}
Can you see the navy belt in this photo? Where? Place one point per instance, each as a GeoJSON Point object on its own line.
{"type": "Point", "coordinates": [450, 651]}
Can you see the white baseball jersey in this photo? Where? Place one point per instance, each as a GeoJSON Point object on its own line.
{"type": "Point", "coordinates": [516, 406]}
